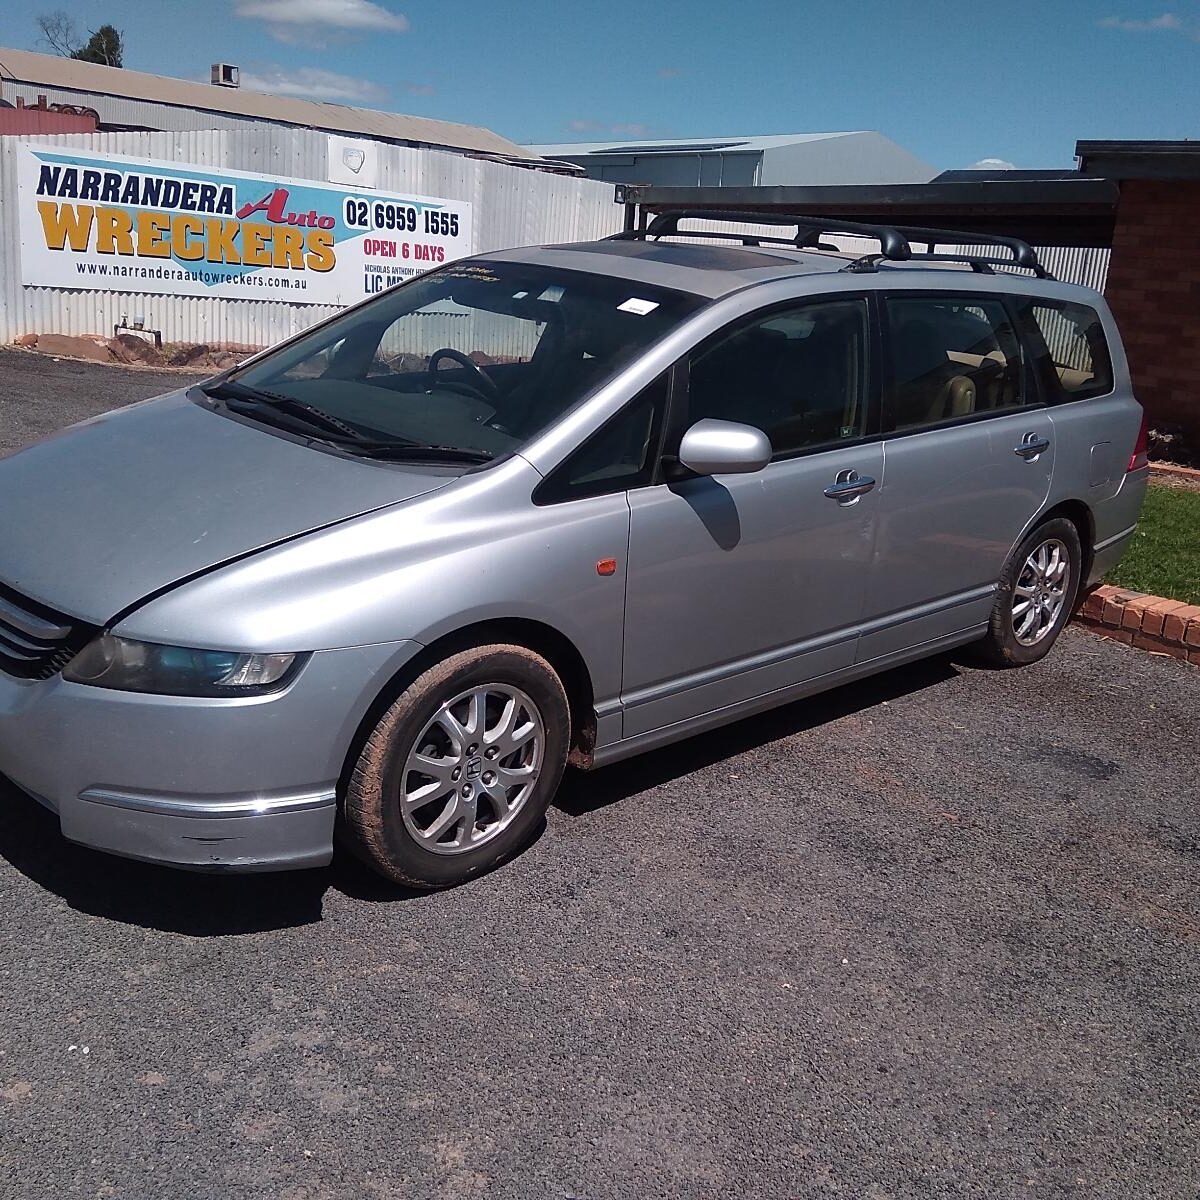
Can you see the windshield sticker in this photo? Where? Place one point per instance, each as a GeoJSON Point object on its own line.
{"type": "Point", "coordinates": [637, 305]}
{"type": "Point", "coordinates": [476, 271]}
{"type": "Point", "coordinates": [552, 294]}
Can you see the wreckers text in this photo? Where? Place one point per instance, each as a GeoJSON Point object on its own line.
{"type": "Point", "coordinates": [187, 237]}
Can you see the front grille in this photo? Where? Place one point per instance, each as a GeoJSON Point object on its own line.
{"type": "Point", "coordinates": [35, 641]}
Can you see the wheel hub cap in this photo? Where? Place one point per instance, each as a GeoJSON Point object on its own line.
{"type": "Point", "coordinates": [1041, 591]}
{"type": "Point", "coordinates": [472, 769]}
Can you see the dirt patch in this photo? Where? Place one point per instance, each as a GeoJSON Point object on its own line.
{"type": "Point", "coordinates": [134, 350]}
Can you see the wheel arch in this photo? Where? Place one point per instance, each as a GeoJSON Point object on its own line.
{"type": "Point", "coordinates": [1081, 516]}
{"type": "Point", "coordinates": [553, 645]}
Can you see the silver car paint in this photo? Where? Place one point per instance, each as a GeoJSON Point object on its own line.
{"type": "Point", "coordinates": [87, 530]}
{"type": "Point", "coordinates": [735, 592]}
{"type": "Point", "coordinates": [770, 573]}
{"type": "Point", "coordinates": [954, 502]}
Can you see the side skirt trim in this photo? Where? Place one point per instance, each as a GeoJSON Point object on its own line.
{"type": "Point", "coordinates": [615, 751]}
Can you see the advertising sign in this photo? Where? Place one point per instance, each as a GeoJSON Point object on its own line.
{"type": "Point", "coordinates": [105, 222]}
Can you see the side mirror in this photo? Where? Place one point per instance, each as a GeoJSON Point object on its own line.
{"type": "Point", "coordinates": [713, 447]}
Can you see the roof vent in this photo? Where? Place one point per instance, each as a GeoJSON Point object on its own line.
{"type": "Point", "coordinates": [224, 75]}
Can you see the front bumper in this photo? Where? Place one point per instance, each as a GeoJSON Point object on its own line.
{"type": "Point", "coordinates": [237, 785]}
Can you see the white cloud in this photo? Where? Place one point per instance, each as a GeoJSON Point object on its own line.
{"type": "Point", "coordinates": [419, 89]}
{"type": "Point", "coordinates": [312, 83]}
{"type": "Point", "coordinates": [992, 164]}
{"type": "Point", "coordinates": [287, 17]}
{"type": "Point", "coordinates": [669, 72]}
{"type": "Point", "coordinates": [1164, 23]}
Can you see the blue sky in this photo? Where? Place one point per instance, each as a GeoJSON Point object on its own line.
{"type": "Point", "coordinates": [953, 82]}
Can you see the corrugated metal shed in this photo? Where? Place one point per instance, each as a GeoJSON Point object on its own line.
{"type": "Point", "coordinates": [126, 97]}
{"type": "Point", "coordinates": [512, 207]}
{"type": "Point", "coordinates": [857, 156]}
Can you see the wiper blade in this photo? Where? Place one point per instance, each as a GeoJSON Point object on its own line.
{"type": "Point", "coordinates": [336, 432]}
{"type": "Point", "coordinates": [418, 452]}
{"type": "Point", "coordinates": [230, 389]}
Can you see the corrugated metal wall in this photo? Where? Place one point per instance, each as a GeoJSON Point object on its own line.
{"type": "Point", "coordinates": [1070, 264]}
{"type": "Point", "coordinates": [1086, 265]}
{"type": "Point", "coordinates": [513, 206]}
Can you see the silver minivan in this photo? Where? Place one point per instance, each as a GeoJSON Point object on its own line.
{"type": "Point", "coordinates": [543, 507]}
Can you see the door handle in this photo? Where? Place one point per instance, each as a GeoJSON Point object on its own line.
{"type": "Point", "coordinates": [1031, 446]}
{"type": "Point", "coordinates": [849, 487]}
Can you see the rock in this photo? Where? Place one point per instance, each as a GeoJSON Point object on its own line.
{"type": "Point", "coordinates": [129, 348]}
{"type": "Point", "coordinates": [25, 339]}
{"type": "Point", "coordinates": [183, 354]}
{"type": "Point", "coordinates": [74, 347]}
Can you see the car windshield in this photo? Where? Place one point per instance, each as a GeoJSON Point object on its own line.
{"type": "Point", "coordinates": [476, 357]}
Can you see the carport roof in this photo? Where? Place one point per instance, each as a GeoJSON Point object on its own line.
{"type": "Point", "coordinates": [1139, 160]}
{"type": "Point", "coordinates": [1070, 210]}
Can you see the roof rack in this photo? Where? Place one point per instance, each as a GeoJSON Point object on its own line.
{"type": "Point", "coordinates": [894, 240]}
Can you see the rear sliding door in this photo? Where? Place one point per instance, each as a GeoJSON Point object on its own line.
{"type": "Point", "coordinates": [968, 454]}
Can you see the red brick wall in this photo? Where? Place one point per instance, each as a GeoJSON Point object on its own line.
{"type": "Point", "coordinates": [1154, 289]}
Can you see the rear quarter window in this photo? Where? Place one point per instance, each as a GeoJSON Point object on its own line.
{"type": "Point", "coordinates": [1073, 358]}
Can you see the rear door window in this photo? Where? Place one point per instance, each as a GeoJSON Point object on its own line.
{"type": "Point", "coordinates": [952, 358]}
{"type": "Point", "coordinates": [1071, 350]}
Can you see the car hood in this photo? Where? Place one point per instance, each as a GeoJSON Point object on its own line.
{"type": "Point", "coordinates": [97, 516]}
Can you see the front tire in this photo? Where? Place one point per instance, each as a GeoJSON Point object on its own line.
{"type": "Point", "coordinates": [458, 773]}
{"type": "Point", "coordinates": [1036, 595]}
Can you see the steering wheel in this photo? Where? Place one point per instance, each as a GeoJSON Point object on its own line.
{"type": "Point", "coordinates": [485, 386]}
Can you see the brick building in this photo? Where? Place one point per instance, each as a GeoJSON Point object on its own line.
{"type": "Point", "coordinates": [1154, 272]}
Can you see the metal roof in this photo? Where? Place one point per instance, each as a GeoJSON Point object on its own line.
{"type": "Point", "coordinates": [726, 145]}
{"type": "Point", "coordinates": [24, 67]}
{"type": "Point", "coordinates": [1075, 211]}
{"type": "Point", "coordinates": [1140, 160]}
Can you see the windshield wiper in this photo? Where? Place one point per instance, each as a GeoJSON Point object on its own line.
{"type": "Point", "coordinates": [242, 393]}
{"type": "Point", "coordinates": [417, 452]}
{"type": "Point", "coordinates": [337, 432]}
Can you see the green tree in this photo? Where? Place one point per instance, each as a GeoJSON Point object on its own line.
{"type": "Point", "coordinates": [105, 45]}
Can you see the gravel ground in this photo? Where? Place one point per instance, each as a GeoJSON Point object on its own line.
{"type": "Point", "coordinates": [933, 934]}
{"type": "Point", "coordinates": [41, 394]}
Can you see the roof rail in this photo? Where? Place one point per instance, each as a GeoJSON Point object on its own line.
{"type": "Point", "coordinates": [894, 240]}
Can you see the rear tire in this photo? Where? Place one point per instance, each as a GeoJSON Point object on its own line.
{"type": "Point", "coordinates": [1036, 595]}
{"type": "Point", "coordinates": [458, 773]}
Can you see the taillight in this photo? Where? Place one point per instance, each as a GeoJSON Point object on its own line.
{"type": "Point", "coordinates": [1140, 458]}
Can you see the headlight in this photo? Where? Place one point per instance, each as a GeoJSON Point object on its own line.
{"type": "Point", "coordinates": [116, 662]}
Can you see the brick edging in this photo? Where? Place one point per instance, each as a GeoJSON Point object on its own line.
{"type": "Point", "coordinates": [1175, 471]}
{"type": "Point", "coordinates": [1147, 622]}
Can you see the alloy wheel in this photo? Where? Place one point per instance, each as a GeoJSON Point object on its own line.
{"type": "Point", "coordinates": [1041, 591]}
{"type": "Point", "coordinates": [472, 769]}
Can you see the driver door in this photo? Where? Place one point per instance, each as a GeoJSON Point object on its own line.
{"type": "Point", "coordinates": [744, 585]}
